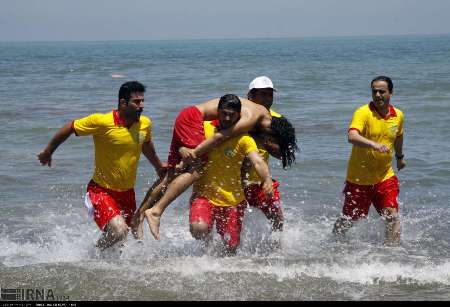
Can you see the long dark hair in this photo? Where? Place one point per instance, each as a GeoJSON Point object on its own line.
{"type": "Point", "coordinates": [284, 131]}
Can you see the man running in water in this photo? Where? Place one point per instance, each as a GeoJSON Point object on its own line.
{"type": "Point", "coordinates": [189, 147]}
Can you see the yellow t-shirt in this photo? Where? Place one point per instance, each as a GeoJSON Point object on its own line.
{"type": "Point", "coordinates": [253, 177]}
{"type": "Point", "coordinates": [275, 114]}
{"type": "Point", "coordinates": [117, 148]}
{"type": "Point", "coordinates": [367, 166]}
{"type": "Point", "coordinates": [221, 181]}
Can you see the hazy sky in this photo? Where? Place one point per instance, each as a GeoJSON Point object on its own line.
{"type": "Point", "coordinates": [24, 20]}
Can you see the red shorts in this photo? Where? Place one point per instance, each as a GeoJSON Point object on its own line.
{"type": "Point", "coordinates": [358, 198]}
{"type": "Point", "coordinates": [228, 219]}
{"type": "Point", "coordinates": [188, 132]}
{"type": "Point", "coordinates": [256, 198]}
{"type": "Point", "coordinates": [108, 203]}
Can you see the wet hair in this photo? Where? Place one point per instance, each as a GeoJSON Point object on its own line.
{"type": "Point", "coordinates": [385, 79]}
{"type": "Point", "coordinates": [230, 101]}
{"type": "Point", "coordinates": [284, 131]}
{"type": "Point", "coordinates": [130, 87]}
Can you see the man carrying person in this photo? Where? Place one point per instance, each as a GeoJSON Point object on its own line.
{"type": "Point", "coordinates": [376, 131]}
{"type": "Point", "coordinates": [187, 148]}
{"type": "Point", "coordinates": [218, 196]}
{"type": "Point", "coordinates": [119, 138]}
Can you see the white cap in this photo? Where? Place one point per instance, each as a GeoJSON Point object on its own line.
{"type": "Point", "coordinates": [261, 82]}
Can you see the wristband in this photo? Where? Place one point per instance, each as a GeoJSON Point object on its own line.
{"type": "Point", "coordinates": [399, 157]}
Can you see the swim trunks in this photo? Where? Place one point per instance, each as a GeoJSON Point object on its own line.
{"type": "Point", "coordinates": [228, 219]}
{"type": "Point", "coordinates": [358, 198]}
{"type": "Point", "coordinates": [187, 132]}
{"type": "Point", "coordinates": [257, 198]}
{"type": "Point", "coordinates": [107, 204]}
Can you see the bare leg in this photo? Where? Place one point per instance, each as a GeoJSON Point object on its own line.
{"type": "Point", "coordinates": [176, 187]}
{"type": "Point", "coordinates": [277, 220]}
{"type": "Point", "coordinates": [230, 251]}
{"type": "Point", "coordinates": [199, 230]}
{"type": "Point", "coordinates": [277, 224]}
{"type": "Point", "coordinates": [392, 230]}
{"type": "Point", "coordinates": [275, 215]}
{"type": "Point", "coordinates": [342, 225]}
{"type": "Point", "coordinates": [115, 231]}
{"type": "Point", "coordinates": [153, 195]}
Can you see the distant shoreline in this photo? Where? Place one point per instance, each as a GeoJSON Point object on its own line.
{"type": "Point", "coordinates": [325, 37]}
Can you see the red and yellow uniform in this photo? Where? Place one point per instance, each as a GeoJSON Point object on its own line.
{"type": "Point", "coordinates": [254, 193]}
{"type": "Point", "coordinates": [117, 152]}
{"type": "Point", "coordinates": [367, 166]}
{"type": "Point", "coordinates": [370, 176]}
{"type": "Point", "coordinates": [275, 114]}
{"type": "Point", "coordinates": [221, 181]}
{"type": "Point", "coordinates": [218, 193]}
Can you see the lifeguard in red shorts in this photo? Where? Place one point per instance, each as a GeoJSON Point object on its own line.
{"type": "Point", "coordinates": [217, 196]}
{"type": "Point", "coordinates": [189, 146]}
{"type": "Point", "coordinates": [119, 138]}
{"type": "Point", "coordinates": [376, 131]}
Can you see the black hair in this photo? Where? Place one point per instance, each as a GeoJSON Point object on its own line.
{"type": "Point", "coordinates": [284, 131]}
{"type": "Point", "coordinates": [230, 101]}
{"type": "Point", "coordinates": [385, 79]}
{"type": "Point", "coordinates": [130, 87]}
{"type": "Point", "coordinates": [251, 93]}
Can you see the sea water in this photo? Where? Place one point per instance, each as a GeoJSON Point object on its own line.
{"type": "Point", "coordinates": [47, 240]}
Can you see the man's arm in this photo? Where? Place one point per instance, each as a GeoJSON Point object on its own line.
{"type": "Point", "coordinates": [148, 149]}
{"type": "Point", "coordinates": [398, 147]}
{"type": "Point", "coordinates": [45, 156]}
{"type": "Point", "coordinates": [262, 169]}
{"type": "Point", "coordinates": [358, 140]}
{"type": "Point", "coordinates": [245, 171]}
{"type": "Point", "coordinates": [243, 125]}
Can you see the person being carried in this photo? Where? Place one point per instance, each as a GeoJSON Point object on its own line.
{"type": "Point", "coordinates": [218, 196]}
{"type": "Point", "coordinates": [376, 131]}
{"type": "Point", "coordinates": [119, 138]}
{"type": "Point", "coordinates": [188, 150]}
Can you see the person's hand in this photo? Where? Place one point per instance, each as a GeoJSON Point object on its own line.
{"type": "Point", "coordinates": [267, 187]}
{"type": "Point", "coordinates": [187, 155]}
{"type": "Point", "coordinates": [381, 148]}
{"type": "Point", "coordinates": [162, 170]}
{"type": "Point", "coordinates": [45, 157]}
{"type": "Point", "coordinates": [401, 164]}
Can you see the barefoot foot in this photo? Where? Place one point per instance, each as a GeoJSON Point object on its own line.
{"type": "Point", "coordinates": [153, 222]}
